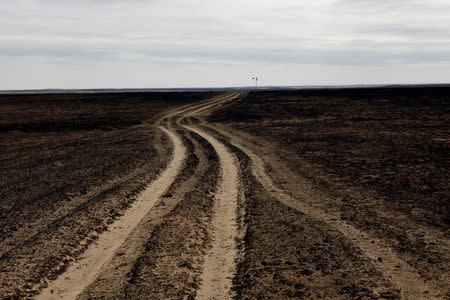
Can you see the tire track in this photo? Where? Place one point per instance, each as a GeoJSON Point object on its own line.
{"type": "Point", "coordinates": [84, 271]}
{"type": "Point", "coordinates": [152, 240]}
{"type": "Point", "coordinates": [170, 116]}
{"type": "Point", "coordinates": [80, 274]}
{"type": "Point", "coordinates": [50, 248]}
{"type": "Point", "coordinates": [290, 255]}
{"type": "Point", "coordinates": [77, 204]}
{"type": "Point", "coordinates": [170, 265]}
{"type": "Point", "coordinates": [219, 267]}
{"type": "Point", "coordinates": [410, 283]}
{"type": "Point", "coordinates": [220, 263]}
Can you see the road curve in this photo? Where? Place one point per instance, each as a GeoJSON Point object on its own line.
{"type": "Point", "coordinates": [407, 279]}
{"type": "Point", "coordinates": [81, 273]}
{"type": "Point", "coordinates": [220, 262]}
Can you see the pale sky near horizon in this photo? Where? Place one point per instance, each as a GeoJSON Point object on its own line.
{"type": "Point", "coordinates": [204, 43]}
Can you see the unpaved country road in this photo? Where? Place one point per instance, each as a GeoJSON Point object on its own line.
{"type": "Point", "coordinates": [86, 268]}
{"type": "Point", "coordinates": [220, 263]}
{"type": "Point", "coordinates": [213, 225]}
{"type": "Point", "coordinates": [223, 253]}
{"type": "Point", "coordinates": [403, 276]}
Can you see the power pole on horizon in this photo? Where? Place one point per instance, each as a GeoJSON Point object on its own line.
{"type": "Point", "coordinates": [255, 78]}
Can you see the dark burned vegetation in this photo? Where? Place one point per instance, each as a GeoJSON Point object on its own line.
{"type": "Point", "coordinates": [343, 193]}
{"type": "Point", "coordinates": [394, 141]}
{"type": "Point", "coordinates": [54, 146]}
{"type": "Point", "coordinates": [376, 157]}
{"type": "Point", "coordinates": [74, 112]}
{"type": "Point", "coordinates": [292, 256]}
{"type": "Point", "coordinates": [70, 164]}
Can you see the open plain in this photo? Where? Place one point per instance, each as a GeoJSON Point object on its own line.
{"type": "Point", "coordinates": [305, 194]}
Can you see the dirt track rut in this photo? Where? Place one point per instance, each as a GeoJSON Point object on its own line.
{"type": "Point", "coordinates": [220, 263]}
{"type": "Point", "coordinates": [83, 271]}
{"type": "Point", "coordinates": [411, 285]}
{"type": "Point", "coordinates": [192, 237]}
{"type": "Point", "coordinates": [87, 268]}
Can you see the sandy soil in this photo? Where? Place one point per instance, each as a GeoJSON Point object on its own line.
{"type": "Point", "coordinates": [220, 263]}
{"type": "Point", "coordinates": [409, 282]}
{"type": "Point", "coordinates": [219, 266]}
{"type": "Point", "coordinates": [71, 165]}
{"type": "Point", "coordinates": [410, 249]}
{"type": "Point", "coordinates": [232, 214]}
{"type": "Point", "coordinates": [81, 273]}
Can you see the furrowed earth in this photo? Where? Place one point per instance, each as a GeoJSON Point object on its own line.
{"type": "Point", "coordinates": [296, 194]}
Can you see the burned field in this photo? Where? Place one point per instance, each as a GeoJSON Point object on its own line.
{"type": "Point", "coordinates": [376, 157]}
{"type": "Point", "coordinates": [70, 165]}
{"type": "Point", "coordinates": [393, 141]}
{"type": "Point", "coordinates": [331, 193]}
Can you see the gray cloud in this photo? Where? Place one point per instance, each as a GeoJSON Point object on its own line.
{"type": "Point", "coordinates": [360, 53]}
{"type": "Point", "coordinates": [344, 34]}
{"type": "Point", "coordinates": [412, 31]}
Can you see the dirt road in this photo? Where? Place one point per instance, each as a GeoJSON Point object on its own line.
{"type": "Point", "coordinates": [81, 273]}
{"type": "Point", "coordinates": [215, 224]}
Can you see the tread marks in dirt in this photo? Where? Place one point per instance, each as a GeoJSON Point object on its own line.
{"type": "Point", "coordinates": [219, 267]}
{"type": "Point", "coordinates": [171, 124]}
{"type": "Point", "coordinates": [171, 263]}
{"type": "Point", "coordinates": [409, 283]}
{"type": "Point", "coordinates": [291, 255]}
{"type": "Point", "coordinates": [173, 260]}
{"type": "Point", "coordinates": [154, 241]}
{"type": "Point", "coordinates": [84, 271]}
{"type": "Point", "coordinates": [30, 264]}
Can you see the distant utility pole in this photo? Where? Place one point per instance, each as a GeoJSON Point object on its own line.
{"type": "Point", "coordinates": [255, 78]}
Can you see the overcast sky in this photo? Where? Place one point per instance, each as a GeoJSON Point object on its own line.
{"type": "Point", "coordinates": [201, 43]}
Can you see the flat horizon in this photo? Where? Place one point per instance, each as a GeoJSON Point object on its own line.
{"type": "Point", "coordinates": [263, 87]}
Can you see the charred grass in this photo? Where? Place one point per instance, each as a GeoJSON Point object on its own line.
{"type": "Point", "coordinates": [392, 141]}
{"type": "Point", "coordinates": [170, 265]}
{"type": "Point", "coordinates": [73, 160]}
{"type": "Point", "coordinates": [380, 156]}
{"type": "Point", "coordinates": [54, 147]}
